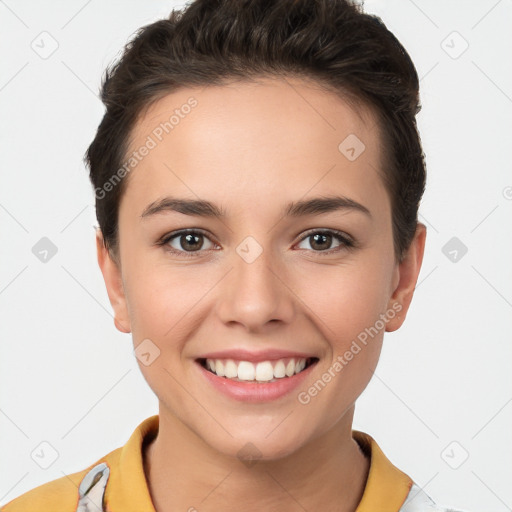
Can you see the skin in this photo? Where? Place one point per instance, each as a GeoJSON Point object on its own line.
{"type": "Point", "coordinates": [251, 148]}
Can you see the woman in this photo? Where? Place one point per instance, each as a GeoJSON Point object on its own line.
{"type": "Point", "coordinates": [257, 175]}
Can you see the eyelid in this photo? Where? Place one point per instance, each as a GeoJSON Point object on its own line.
{"type": "Point", "coordinates": [331, 231]}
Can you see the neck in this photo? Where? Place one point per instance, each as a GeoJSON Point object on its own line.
{"type": "Point", "coordinates": [329, 473]}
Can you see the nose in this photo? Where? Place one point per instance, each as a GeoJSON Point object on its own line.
{"type": "Point", "coordinates": [255, 294]}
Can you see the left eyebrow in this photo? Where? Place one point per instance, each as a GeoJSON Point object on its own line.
{"type": "Point", "coordinates": [319, 205]}
{"type": "Point", "coordinates": [202, 208]}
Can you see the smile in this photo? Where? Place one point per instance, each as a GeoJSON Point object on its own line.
{"type": "Point", "coordinates": [263, 371]}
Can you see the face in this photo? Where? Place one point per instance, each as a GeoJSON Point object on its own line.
{"type": "Point", "coordinates": [278, 273]}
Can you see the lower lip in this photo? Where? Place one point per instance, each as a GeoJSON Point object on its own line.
{"type": "Point", "coordinates": [256, 391]}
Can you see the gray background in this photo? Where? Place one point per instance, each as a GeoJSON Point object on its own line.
{"type": "Point", "coordinates": [440, 403]}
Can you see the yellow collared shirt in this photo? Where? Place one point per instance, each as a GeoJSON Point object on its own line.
{"type": "Point", "coordinates": [117, 483]}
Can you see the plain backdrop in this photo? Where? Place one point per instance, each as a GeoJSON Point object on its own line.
{"type": "Point", "coordinates": [440, 405]}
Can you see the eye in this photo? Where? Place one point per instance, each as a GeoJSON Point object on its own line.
{"type": "Point", "coordinates": [191, 242]}
{"type": "Point", "coordinates": [186, 241]}
{"type": "Point", "coordinates": [321, 241]}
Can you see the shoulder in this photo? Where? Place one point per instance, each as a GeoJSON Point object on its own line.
{"type": "Point", "coordinates": [67, 492]}
{"type": "Point", "coordinates": [419, 501]}
{"type": "Point", "coordinates": [388, 484]}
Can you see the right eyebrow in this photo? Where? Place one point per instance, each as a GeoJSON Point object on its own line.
{"type": "Point", "coordinates": [198, 207]}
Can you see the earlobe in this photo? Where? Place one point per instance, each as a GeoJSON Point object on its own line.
{"type": "Point", "coordinates": [407, 271]}
{"type": "Point", "coordinates": [114, 284]}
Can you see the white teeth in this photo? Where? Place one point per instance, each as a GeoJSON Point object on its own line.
{"type": "Point", "coordinates": [219, 368]}
{"type": "Point", "coordinates": [290, 368]}
{"type": "Point", "coordinates": [246, 370]}
{"type": "Point", "coordinates": [279, 370]}
{"type": "Point", "coordinates": [230, 369]}
{"type": "Point", "coordinates": [264, 371]}
{"type": "Point", "coordinates": [300, 365]}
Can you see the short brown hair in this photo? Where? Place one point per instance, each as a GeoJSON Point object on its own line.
{"type": "Point", "coordinates": [212, 42]}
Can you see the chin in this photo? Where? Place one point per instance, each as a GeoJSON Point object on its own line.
{"type": "Point", "coordinates": [250, 445]}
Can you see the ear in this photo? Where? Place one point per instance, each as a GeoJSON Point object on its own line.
{"type": "Point", "coordinates": [405, 278]}
{"type": "Point", "coordinates": [112, 276]}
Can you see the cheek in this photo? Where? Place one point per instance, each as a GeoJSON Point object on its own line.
{"type": "Point", "coordinates": [162, 298]}
{"type": "Point", "coordinates": [347, 299]}
{"type": "Point", "coordinates": [346, 302]}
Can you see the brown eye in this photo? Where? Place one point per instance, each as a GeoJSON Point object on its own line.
{"type": "Point", "coordinates": [321, 241]}
{"type": "Point", "coordinates": [190, 242]}
{"type": "Point", "coordinates": [187, 242]}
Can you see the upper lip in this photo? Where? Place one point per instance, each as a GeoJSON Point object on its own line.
{"type": "Point", "coordinates": [240, 354]}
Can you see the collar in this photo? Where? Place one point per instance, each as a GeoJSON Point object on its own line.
{"type": "Point", "coordinates": [386, 487]}
{"type": "Point", "coordinates": [128, 488]}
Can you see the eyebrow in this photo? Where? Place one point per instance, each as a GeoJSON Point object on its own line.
{"type": "Point", "coordinates": [203, 208]}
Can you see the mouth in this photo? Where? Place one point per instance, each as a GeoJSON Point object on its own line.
{"type": "Point", "coordinates": [262, 372]}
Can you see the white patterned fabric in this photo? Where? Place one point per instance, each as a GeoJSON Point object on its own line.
{"type": "Point", "coordinates": [419, 501]}
{"type": "Point", "coordinates": [92, 489]}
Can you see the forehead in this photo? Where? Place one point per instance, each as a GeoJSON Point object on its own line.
{"type": "Point", "coordinates": [271, 140]}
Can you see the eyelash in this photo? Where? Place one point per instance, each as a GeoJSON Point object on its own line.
{"type": "Point", "coordinates": [346, 242]}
